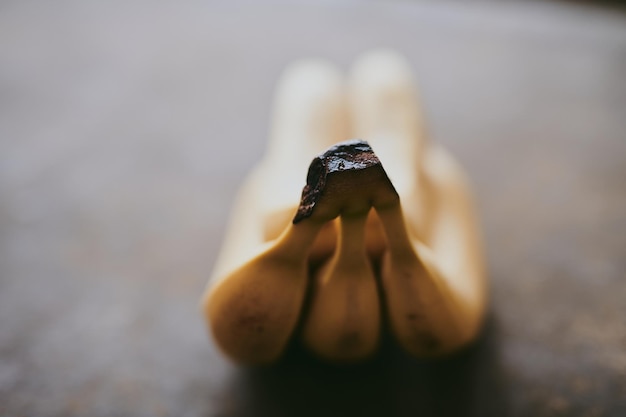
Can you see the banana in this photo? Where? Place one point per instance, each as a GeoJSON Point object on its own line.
{"type": "Point", "coordinates": [416, 220]}
{"type": "Point", "coordinates": [343, 322]}
{"type": "Point", "coordinates": [253, 311]}
{"type": "Point", "coordinates": [432, 272]}
{"type": "Point", "coordinates": [254, 297]}
{"type": "Point", "coordinates": [433, 306]}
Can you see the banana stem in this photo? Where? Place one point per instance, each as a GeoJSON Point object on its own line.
{"type": "Point", "coordinates": [398, 239]}
{"type": "Point", "coordinates": [297, 240]}
{"type": "Point", "coordinates": [352, 237]}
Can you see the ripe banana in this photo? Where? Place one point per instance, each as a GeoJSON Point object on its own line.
{"type": "Point", "coordinates": [253, 311]}
{"type": "Point", "coordinates": [432, 273]}
{"type": "Point", "coordinates": [343, 321]}
{"type": "Point", "coordinates": [254, 298]}
{"type": "Point", "coordinates": [415, 220]}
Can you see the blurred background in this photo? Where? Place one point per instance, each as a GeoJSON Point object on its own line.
{"type": "Point", "coordinates": [126, 128]}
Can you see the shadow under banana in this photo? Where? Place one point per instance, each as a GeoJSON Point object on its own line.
{"type": "Point", "coordinates": [470, 382]}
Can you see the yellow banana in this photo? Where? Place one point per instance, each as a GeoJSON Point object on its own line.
{"type": "Point", "coordinates": [343, 321]}
{"type": "Point", "coordinates": [254, 309]}
{"type": "Point", "coordinates": [433, 274]}
{"type": "Point", "coordinates": [422, 229]}
{"type": "Point", "coordinates": [254, 298]}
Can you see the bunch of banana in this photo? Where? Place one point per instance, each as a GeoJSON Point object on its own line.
{"type": "Point", "coordinates": [407, 229]}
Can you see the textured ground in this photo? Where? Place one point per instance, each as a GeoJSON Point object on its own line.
{"type": "Point", "coordinates": [125, 129]}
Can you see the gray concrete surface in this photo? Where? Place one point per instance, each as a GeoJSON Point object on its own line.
{"type": "Point", "coordinates": [126, 127]}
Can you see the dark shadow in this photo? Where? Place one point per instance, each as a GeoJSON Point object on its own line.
{"type": "Point", "coordinates": [470, 383]}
